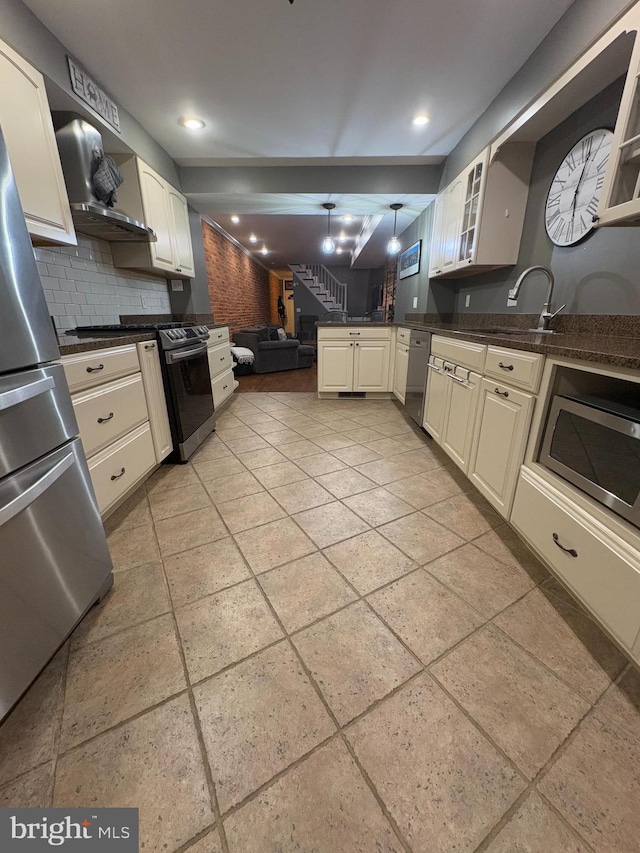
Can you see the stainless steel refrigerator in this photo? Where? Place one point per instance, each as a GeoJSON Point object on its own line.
{"type": "Point", "coordinates": [54, 559]}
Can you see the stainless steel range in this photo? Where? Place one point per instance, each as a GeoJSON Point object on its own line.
{"type": "Point", "coordinates": [187, 382]}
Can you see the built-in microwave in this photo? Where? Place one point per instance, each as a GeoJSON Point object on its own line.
{"type": "Point", "coordinates": [595, 444]}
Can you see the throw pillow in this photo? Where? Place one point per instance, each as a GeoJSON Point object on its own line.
{"type": "Point", "coordinates": [282, 335]}
{"type": "Point", "coordinates": [273, 333]}
{"type": "Point", "coordinates": [263, 331]}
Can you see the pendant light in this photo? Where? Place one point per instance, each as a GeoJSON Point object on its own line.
{"type": "Point", "coordinates": [393, 246]}
{"type": "Point", "coordinates": [328, 246]}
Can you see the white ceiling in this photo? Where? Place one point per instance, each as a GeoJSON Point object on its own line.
{"type": "Point", "coordinates": [317, 79]}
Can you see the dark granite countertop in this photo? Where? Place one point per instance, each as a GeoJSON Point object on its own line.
{"type": "Point", "coordinates": [70, 344]}
{"type": "Point", "coordinates": [582, 344]}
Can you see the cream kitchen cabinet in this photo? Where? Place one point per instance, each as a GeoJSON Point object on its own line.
{"type": "Point", "coordinates": [223, 382]}
{"type": "Point", "coordinates": [354, 360]}
{"type": "Point", "coordinates": [450, 408]}
{"type": "Point", "coordinates": [116, 425]}
{"type": "Point", "coordinates": [401, 365]}
{"type": "Point", "coordinates": [149, 357]}
{"type": "Point", "coordinates": [504, 417]}
{"type": "Point", "coordinates": [146, 196]}
{"type": "Point", "coordinates": [478, 223]}
{"type": "Point", "coordinates": [591, 555]}
{"type": "Point", "coordinates": [26, 124]}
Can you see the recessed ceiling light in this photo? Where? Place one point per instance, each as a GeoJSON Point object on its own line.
{"type": "Point", "coordinates": [264, 251]}
{"type": "Point", "coordinates": [235, 219]}
{"type": "Point", "coordinates": [338, 251]}
{"type": "Point", "coordinates": [421, 119]}
{"type": "Point", "coordinates": [347, 218]}
{"type": "Point", "coordinates": [192, 123]}
{"type": "Point", "coordinates": [253, 239]}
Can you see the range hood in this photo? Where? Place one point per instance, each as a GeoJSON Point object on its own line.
{"type": "Point", "coordinates": [78, 144]}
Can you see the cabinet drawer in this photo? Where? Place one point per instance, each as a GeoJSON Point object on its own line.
{"type": "Point", "coordinates": [222, 387]}
{"type": "Point", "coordinates": [349, 333]}
{"type": "Point", "coordinates": [110, 411]}
{"type": "Point", "coordinates": [522, 369]}
{"type": "Point", "coordinates": [403, 336]}
{"type": "Point", "coordinates": [219, 359]}
{"type": "Point", "coordinates": [465, 353]}
{"type": "Point", "coordinates": [121, 465]}
{"type": "Point", "coordinates": [93, 368]}
{"type": "Point", "coordinates": [218, 336]}
{"type": "Point", "coordinates": [601, 569]}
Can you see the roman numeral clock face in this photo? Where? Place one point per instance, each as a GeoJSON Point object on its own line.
{"type": "Point", "coordinates": [575, 190]}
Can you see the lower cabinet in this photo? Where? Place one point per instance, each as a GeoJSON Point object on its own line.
{"type": "Point", "coordinates": [400, 368]}
{"type": "Point", "coordinates": [148, 354]}
{"type": "Point", "coordinates": [354, 359]}
{"type": "Point", "coordinates": [121, 465]}
{"type": "Point", "coordinates": [597, 565]}
{"type": "Point", "coordinates": [221, 366]}
{"type": "Point", "coordinates": [502, 429]}
{"type": "Point", "coordinates": [450, 408]}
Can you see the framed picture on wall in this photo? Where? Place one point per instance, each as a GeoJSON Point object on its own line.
{"type": "Point", "coordinates": [410, 260]}
{"type": "Point", "coordinates": [288, 285]}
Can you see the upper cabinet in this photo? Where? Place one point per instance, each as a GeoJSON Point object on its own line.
{"type": "Point", "coordinates": [146, 196]}
{"type": "Point", "coordinates": [620, 198]}
{"type": "Point", "coordinates": [479, 216]}
{"type": "Point", "coordinates": [25, 119]}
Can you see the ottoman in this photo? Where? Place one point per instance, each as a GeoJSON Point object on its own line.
{"type": "Point", "coordinates": [306, 354]}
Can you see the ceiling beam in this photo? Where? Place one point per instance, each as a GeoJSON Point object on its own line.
{"type": "Point", "coordinates": [310, 179]}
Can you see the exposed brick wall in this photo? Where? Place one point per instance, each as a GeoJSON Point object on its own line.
{"type": "Point", "coordinates": [275, 289]}
{"type": "Point", "coordinates": [239, 289]}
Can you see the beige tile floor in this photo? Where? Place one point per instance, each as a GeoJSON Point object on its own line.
{"type": "Point", "coordinates": [321, 639]}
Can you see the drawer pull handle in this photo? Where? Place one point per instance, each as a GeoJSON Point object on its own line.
{"type": "Point", "coordinates": [501, 393]}
{"type": "Point", "coordinates": [93, 369]}
{"type": "Point", "coordinates": [222, 357]}
{"type": "Point", "coordinates": [149, 346]}
{"type": "Point", "coordinates": [354, 333]}
{"type": "Point", "coordinates": [433, 367]}
{"type": "Point", "coordinates": [571, 551]}
{"type": "Point", "coordinates": [505, 366]}
{"type": "Point", "coordinates": [104, 420]}
{"type": "Point", "coordinates": [224, 387]}
{"type": "Point", "coordinates": [117, 476]}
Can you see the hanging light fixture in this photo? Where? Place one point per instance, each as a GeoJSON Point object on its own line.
{"type": "Point", "coordinates": [393, 246]}
{"type": "Point", "coordinates": [328, 246]}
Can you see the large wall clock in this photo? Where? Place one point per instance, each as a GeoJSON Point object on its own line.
{"type": "Point", "coordinates": [575, 190]}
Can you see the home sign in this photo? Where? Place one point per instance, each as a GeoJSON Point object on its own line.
{"type": "Point", "coordinates": [92, 94]}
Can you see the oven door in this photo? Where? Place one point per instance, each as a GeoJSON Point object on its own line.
{"type": "Point", "coordinates": [597, 451]}
{"type": "Point", "coordinates": [191, 399]}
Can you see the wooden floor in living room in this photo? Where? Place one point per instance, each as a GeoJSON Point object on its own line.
{"type": "Point", "coordinates": [303, 379]}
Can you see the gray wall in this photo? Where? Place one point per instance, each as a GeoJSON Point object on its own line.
{"type": "Point", "coordinates": [598, 275]}
{"type": "Point", "coordinates": [194, 299]}
{"type": "Point", "coordinates": [433, 298]}
{"type": "Point", "coordinates": [583, 22]}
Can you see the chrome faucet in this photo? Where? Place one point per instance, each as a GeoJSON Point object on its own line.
{"type": "Point", "coordinates": [546, 316]}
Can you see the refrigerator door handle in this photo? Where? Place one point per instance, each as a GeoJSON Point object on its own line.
{"type": "Point", "coordinates": [33, 492]}
{"type": "Point", "coordinates": [19, 395]}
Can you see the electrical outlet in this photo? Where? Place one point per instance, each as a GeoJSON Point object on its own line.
{"type": "Point", "coordinates": [415, 301]}
{"type": "Point", "coordinates": [467, 300]}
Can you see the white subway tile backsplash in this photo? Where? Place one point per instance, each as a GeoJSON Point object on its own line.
{"type": "Point", "coordinates": [82, 287]}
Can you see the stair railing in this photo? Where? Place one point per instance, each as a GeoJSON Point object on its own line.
{"type": "Point", "coordinates": [335, 288]}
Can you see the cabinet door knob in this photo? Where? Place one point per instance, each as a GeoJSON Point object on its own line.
{"type": "Point", "coordinates": [104, 420]}
{"type": "Point", "coordinates": [117, 476]}
{"type": "Point", "coordinates": [351, 344]}
{"type": "Point", "coordinates": [505, 366]}
{"type": "Point", "coordinates": [501, 393]}
{"type": "Point", "coordinates": [93, 369]}
{"type": "Point", "coordinates": [571, 551]}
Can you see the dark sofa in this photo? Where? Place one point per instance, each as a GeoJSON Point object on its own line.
{"type": "Point", "coordinates": [270, 355]}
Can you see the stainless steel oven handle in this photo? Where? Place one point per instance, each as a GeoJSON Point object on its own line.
{"type": "Point", "coordinates": [26, 392]}
{"type": "Point", "coordinates": [25, 500]}
{"type": "Point", "coordinates": [181, 355]}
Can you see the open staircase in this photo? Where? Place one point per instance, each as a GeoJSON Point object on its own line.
{"type": "Point", "coordinates": [322, 284]}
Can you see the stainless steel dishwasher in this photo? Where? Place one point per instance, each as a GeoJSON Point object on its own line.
{"type": "Point", "coordinates": [419, 349]}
